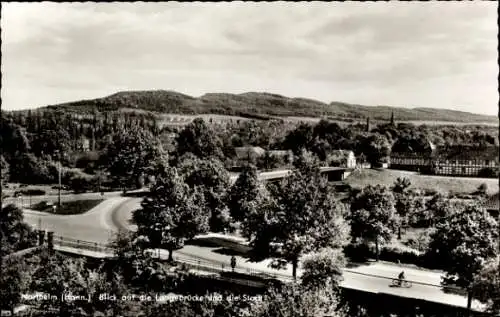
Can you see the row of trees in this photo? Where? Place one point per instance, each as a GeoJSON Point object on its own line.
{"type": "Point", "coordinates": [43, 135]}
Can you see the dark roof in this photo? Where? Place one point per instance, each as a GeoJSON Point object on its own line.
{"type": "Point", "coordinates": [493, 202]}
{"type": "Point", "coordinates": [467, 152]}
{"type": "Point", "coordinates": [399, 149]}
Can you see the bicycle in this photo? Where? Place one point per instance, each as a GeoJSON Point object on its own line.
{"type": "Point", "coordinates": [403, 283]}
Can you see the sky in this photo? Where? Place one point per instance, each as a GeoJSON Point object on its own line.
{"type": "Point", "coordinates": [404, 54]}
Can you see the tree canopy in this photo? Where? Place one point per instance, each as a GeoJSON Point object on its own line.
{"type": "Point", "coordinates": [130, 156]}
{"type": "Point", "coordinates": [171, 213]}
{"type": "Point", "coordinates": [197, 138]}
{"type": "Point", "coordinates": [373, 215]}
{"type": "Point", "coordinates": [464, 242]}
{"type": "Point", "coordinates": [299, 216]}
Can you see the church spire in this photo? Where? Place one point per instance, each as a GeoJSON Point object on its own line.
{"type": "Point", "coordinates": [392, 118]}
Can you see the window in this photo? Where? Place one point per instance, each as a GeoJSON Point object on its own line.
{"type": "Point", "coordinates": [487, 162]}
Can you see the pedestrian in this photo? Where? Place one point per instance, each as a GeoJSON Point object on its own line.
{"type": "Point", "coordinates": [233, 262]}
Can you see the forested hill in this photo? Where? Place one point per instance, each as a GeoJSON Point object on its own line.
{"type": "Point", "coordinates": [253, 104]}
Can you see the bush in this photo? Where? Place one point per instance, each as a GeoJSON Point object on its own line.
{"type": "Point", "coordinates": [421, 243]}
{"type": "Point", "coordinates": [41, 206]}
{"type": "Point", "coordinates": [488, 172]}
{"type": "Point", "coordinates": [362, 252]}
{"type": "Point", "coordinates": [30, 192]}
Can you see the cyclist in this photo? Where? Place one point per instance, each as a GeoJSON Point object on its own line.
{"type": "Point", "coordinates": [401, 277]}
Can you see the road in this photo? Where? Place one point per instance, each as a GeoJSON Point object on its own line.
{"type": "Point", "coordinates": [100, 223]}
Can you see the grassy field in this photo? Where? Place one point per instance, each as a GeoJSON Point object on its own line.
{"type": "Point", "coordinates": [71, 207]}
{"type": "Point", "coordinates": [442, 184]}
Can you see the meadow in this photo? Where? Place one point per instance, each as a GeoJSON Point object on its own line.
{"type": "Point", "coordinates": [443, 184]}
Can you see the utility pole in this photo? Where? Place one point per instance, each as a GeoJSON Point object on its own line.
{"type": "Point", "coordinates": [59, 191]}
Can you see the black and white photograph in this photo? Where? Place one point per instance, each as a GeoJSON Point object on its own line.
{"type": "Point", "coordinates": [250, 159]}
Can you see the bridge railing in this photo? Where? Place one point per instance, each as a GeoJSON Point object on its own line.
{"type": "Point", "coordinates": [82, 244]}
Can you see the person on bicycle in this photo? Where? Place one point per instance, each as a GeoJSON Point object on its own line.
{"type": "Point", "coordinates": [401, 277]}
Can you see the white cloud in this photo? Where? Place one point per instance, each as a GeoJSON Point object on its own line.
{"type": "Point", "coordinates": [419, 54]}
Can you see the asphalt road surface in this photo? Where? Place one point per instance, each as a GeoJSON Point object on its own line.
{"type": "Point", "coordinates": [103, 221]}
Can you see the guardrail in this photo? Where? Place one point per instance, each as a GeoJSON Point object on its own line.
{"type": "Point", "coordinates": [81, 244]}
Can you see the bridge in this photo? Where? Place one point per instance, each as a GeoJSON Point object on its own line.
{"type": "Point", "coordinates": [333, 174]}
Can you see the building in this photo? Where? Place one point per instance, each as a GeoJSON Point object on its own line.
{"type": "Point", "coordinates": [461, 160]}
{"type": "Point", "coordinates": [342, 158]}
{"type": "Point", "coordinates": [412, 157]}
{"type": "Point", "coordinates": [466, 161]}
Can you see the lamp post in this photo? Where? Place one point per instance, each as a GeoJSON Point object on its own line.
{"type": "Point", "coordinates": [59, 167]}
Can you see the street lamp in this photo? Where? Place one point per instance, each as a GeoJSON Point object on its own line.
{"type": "Point", "coordinates": [59, 167]}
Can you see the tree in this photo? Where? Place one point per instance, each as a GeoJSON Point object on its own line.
{"type": "Point", "coordinates": [50, 142]}
{"type": "Point", "coordinates": [13, 282]}
{"type": "Point", "coordinates": [67, 277]}
{"type": "Point", "coordinates": [295, 301]}
{"type": "Point", "coordinates": [212, 179]}
{"type": "Point", "coordinates": [5, 170]}
{"type": "Point", "coordinates": [130, 156]}
{"type": "Point", "coordinates": [482, 190]}
{"type": "Point", "coordinates": [268, 161]}
{"type": "Point", "coordinates": [404, 202]}
{"type": "Point", "coordinates": [15, 233]}
{"type": "Point", "coordinates": [401, 185]}
{"type": "Point", "coordinates": [299, 216]}
{"type": "Point", "coordinates": [244, 190]}
{"type": "Point", "coordinates": [376, 148]}
{"type": "Point", "coordinates": [440, 208]}
{"type": "Point", "coordinates": [323, 269]}
{"type": "Point", "coordinates": [197, 138]}
{"type": "Point", "coordinates": [486, 285]}
{"type": "Point", "coordinates": [299, 139]}
{"type": "Point", "coordinates": [373, 215]}
{"type": "Point", "coordinates": [171, 213]}
{"type": "Point", "coordinates": [463, 243]}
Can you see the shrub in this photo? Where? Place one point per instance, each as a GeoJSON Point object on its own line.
{"type": "Point", "coordinates": [30, 192]}
{"type": "Point", "coordinates": [41, 206]}
{"type": "Point", "coordinates": [488, 172]}
{"type": "Point", "coordinates": [362, 252]}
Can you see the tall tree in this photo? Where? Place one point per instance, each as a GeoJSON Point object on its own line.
{"type": "Point", "coordinates": [376, 148]}
{"type": "Point", "coordinates": [464, 243]}
{"type": "Point", "coordinates": [130, 156]}
{"type": "Point", "coordinates": [197, 138]}
{"type": "Point", "coordinates": [210, 176]}
{"type": "Point", "coordinates": [403, 203]}
{"type": "Point", "coordinates": [299, 139]}
{"type": "Point", "coordinates": [300, 215]}
{"type": "Point", "coordinates": [171, 213]}
{"type": "Point", "coordinates": [373, 215]}
{"type": "Point", "coordinates": [244, 190]}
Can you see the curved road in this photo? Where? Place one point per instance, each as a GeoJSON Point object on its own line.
{"type": "Point", "coordinates": [103, 221]}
